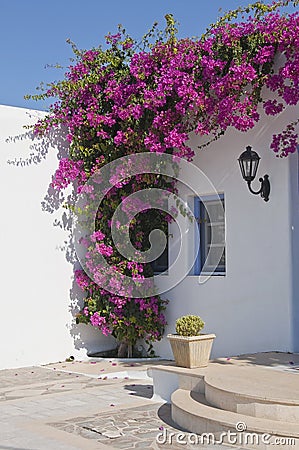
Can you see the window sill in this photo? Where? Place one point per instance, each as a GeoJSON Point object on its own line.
{"type": "Point", "coordinates": [208, 274]}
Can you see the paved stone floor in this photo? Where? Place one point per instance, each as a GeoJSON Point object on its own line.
{"type": "Point", "coordinates": [69, 406]}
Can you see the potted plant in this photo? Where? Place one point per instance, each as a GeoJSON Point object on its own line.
{"type": "Point", "coordinates": [190, 348]}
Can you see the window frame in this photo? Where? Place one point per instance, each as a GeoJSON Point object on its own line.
{"type": "Point", "coordinates": [200, 213]}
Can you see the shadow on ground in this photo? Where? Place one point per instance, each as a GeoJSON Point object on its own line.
{"type": "Point", "coordinates": [270, 359]}
{"type": "Point", "coordinates": [140, 390]}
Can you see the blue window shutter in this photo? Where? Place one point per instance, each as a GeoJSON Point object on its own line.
{"type": "Point", "coordinates": [201, 247]}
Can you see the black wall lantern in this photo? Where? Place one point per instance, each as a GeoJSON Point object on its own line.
{"type": "Point", "coordinates": [249, 161]}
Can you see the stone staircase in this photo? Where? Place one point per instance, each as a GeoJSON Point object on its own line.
{"type": "Point", "coordinates": [244, 405]}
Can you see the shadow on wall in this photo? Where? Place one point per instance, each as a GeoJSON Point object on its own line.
{"type": "Point", "coordinates": [84, 336]}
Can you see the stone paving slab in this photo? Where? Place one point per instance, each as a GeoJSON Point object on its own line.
{"type": "Point", "coordinates": [147, 426]}
{"type": "Point", "coordinates": [26, 408]}
{"type": "Point", "coordinates": [101, 366]}
{"type": "Point", "coordinates": [69, 406]}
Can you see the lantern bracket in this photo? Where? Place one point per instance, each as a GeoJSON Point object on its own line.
{"type": "Point", "coordinates": [264, 190]}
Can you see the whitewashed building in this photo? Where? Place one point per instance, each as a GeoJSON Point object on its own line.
{"type": "Point", "coordinates": [251, 303]}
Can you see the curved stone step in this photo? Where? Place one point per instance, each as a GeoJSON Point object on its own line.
{"type": "Point", "coordinates": [192, 412]}
{"type": "Point", "coordinates": [255, 392]}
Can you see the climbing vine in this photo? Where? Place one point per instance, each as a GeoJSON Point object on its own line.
{"type": "Point", "coordinates": [147, 96]}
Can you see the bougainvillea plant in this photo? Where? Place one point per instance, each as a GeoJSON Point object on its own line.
{"type": "Point", "coordinates": [146, 97]}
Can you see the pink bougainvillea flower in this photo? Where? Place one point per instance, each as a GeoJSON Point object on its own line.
{"type": "Point", "coordinates": [150, 97]}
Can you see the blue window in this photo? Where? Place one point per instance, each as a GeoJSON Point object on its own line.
{"type": "Point", "coordinates": [209, 214]}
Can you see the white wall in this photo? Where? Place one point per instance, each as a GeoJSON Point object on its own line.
{"type": "Point", "coordinates": [250, 309]}
{"type": "Point", "coordinates": [294, 210]}
{"type": "Point", "coordinates": [37, 325]}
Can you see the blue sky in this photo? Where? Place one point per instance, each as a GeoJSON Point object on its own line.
{"type": "Point", "coordinates": [33, 33]}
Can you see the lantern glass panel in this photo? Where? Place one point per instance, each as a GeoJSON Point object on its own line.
{"type": "Point", "coordinates": [255, 163]}
{"type": "Point", "coordinates": [249, 161]}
